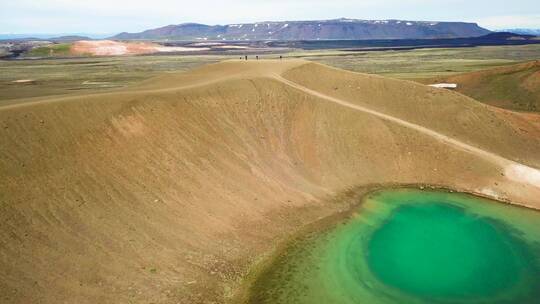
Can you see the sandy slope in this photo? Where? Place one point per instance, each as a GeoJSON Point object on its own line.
{"type": "Point", "coordinates": [168, 191]}
{"type": "Point", "coordinates": [514, 170]}
{"type": "Point", "coordinates": [515, 87]}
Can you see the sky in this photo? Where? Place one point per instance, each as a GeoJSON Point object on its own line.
{"type": "Point", "coordinates": [114, 16]}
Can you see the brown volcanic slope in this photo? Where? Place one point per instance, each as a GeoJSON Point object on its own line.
{"type": "Point", "coordinates": [167, 192]}
{"type": "Point", "coordinates": [515, 87]}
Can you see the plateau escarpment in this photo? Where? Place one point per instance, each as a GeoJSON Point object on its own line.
{"type": "Point", "coordinates": [350, 29]}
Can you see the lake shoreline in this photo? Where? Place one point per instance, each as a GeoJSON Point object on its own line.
{"type": "Point", "coordinates": [355, 197]}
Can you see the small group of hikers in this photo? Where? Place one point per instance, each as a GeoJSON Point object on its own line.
{"type": "Point", "coordinates": [257, 57]}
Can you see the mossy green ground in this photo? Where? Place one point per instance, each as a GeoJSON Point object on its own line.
{"type": "Point", "coordinates": [411, 246]}
{"type": "Point", "coordinates": [61, 49]}
{"type": "Point", "coordinates": [515, 88]}
{"type": "Point", "coordinates": [69, 75]}
{"type": "Point", "coordinates": [424, 63]}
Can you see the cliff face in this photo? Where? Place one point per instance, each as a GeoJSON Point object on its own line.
{"type": "Point", "coordinates": [353, 29]}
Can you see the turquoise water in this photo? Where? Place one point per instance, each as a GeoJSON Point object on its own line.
{"type": "Point", "coordinates": [412, 246]}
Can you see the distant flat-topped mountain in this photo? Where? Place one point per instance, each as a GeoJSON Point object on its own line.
{"type": "Point", "coordinates": [344, 29]}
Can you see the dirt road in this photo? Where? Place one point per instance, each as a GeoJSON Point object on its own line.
{"type": "Point", "coordinates": [513, 170]}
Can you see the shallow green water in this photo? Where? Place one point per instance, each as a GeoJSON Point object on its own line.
{"type": "Point", "coordinates": [412, 246]}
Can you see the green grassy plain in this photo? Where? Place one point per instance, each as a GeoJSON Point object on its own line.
{"type": "Point", "coordinates": [61, 49]}
{"type": "Point", "coordinates": [64, 76]}
{"type": "Point", "coordinates": [425, 63]}
{"type": "Point", "coordinates": [68, 75]}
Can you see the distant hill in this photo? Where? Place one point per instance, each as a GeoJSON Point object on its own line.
{"type": "Point", "coordinates": [24, 36]}
{"type": "Point", "coordinates": [509, 36]}
{"type": "Point", "coordinates": [37, 36]}
{"type": "Point", "coordinates": [70, 38]}
{"type": "Point", "coordinates": [535, 32]}
{"type": "Point", "coordinates": [499, 38]}
{"type": "Point", "coordinates": [345, 29]}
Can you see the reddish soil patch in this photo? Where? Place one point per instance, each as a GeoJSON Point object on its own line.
{"type": "Point", "coordinates": [112, 48]}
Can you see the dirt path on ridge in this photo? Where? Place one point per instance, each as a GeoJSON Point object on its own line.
{"type": "Point", "coordinates": [513, 170]}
